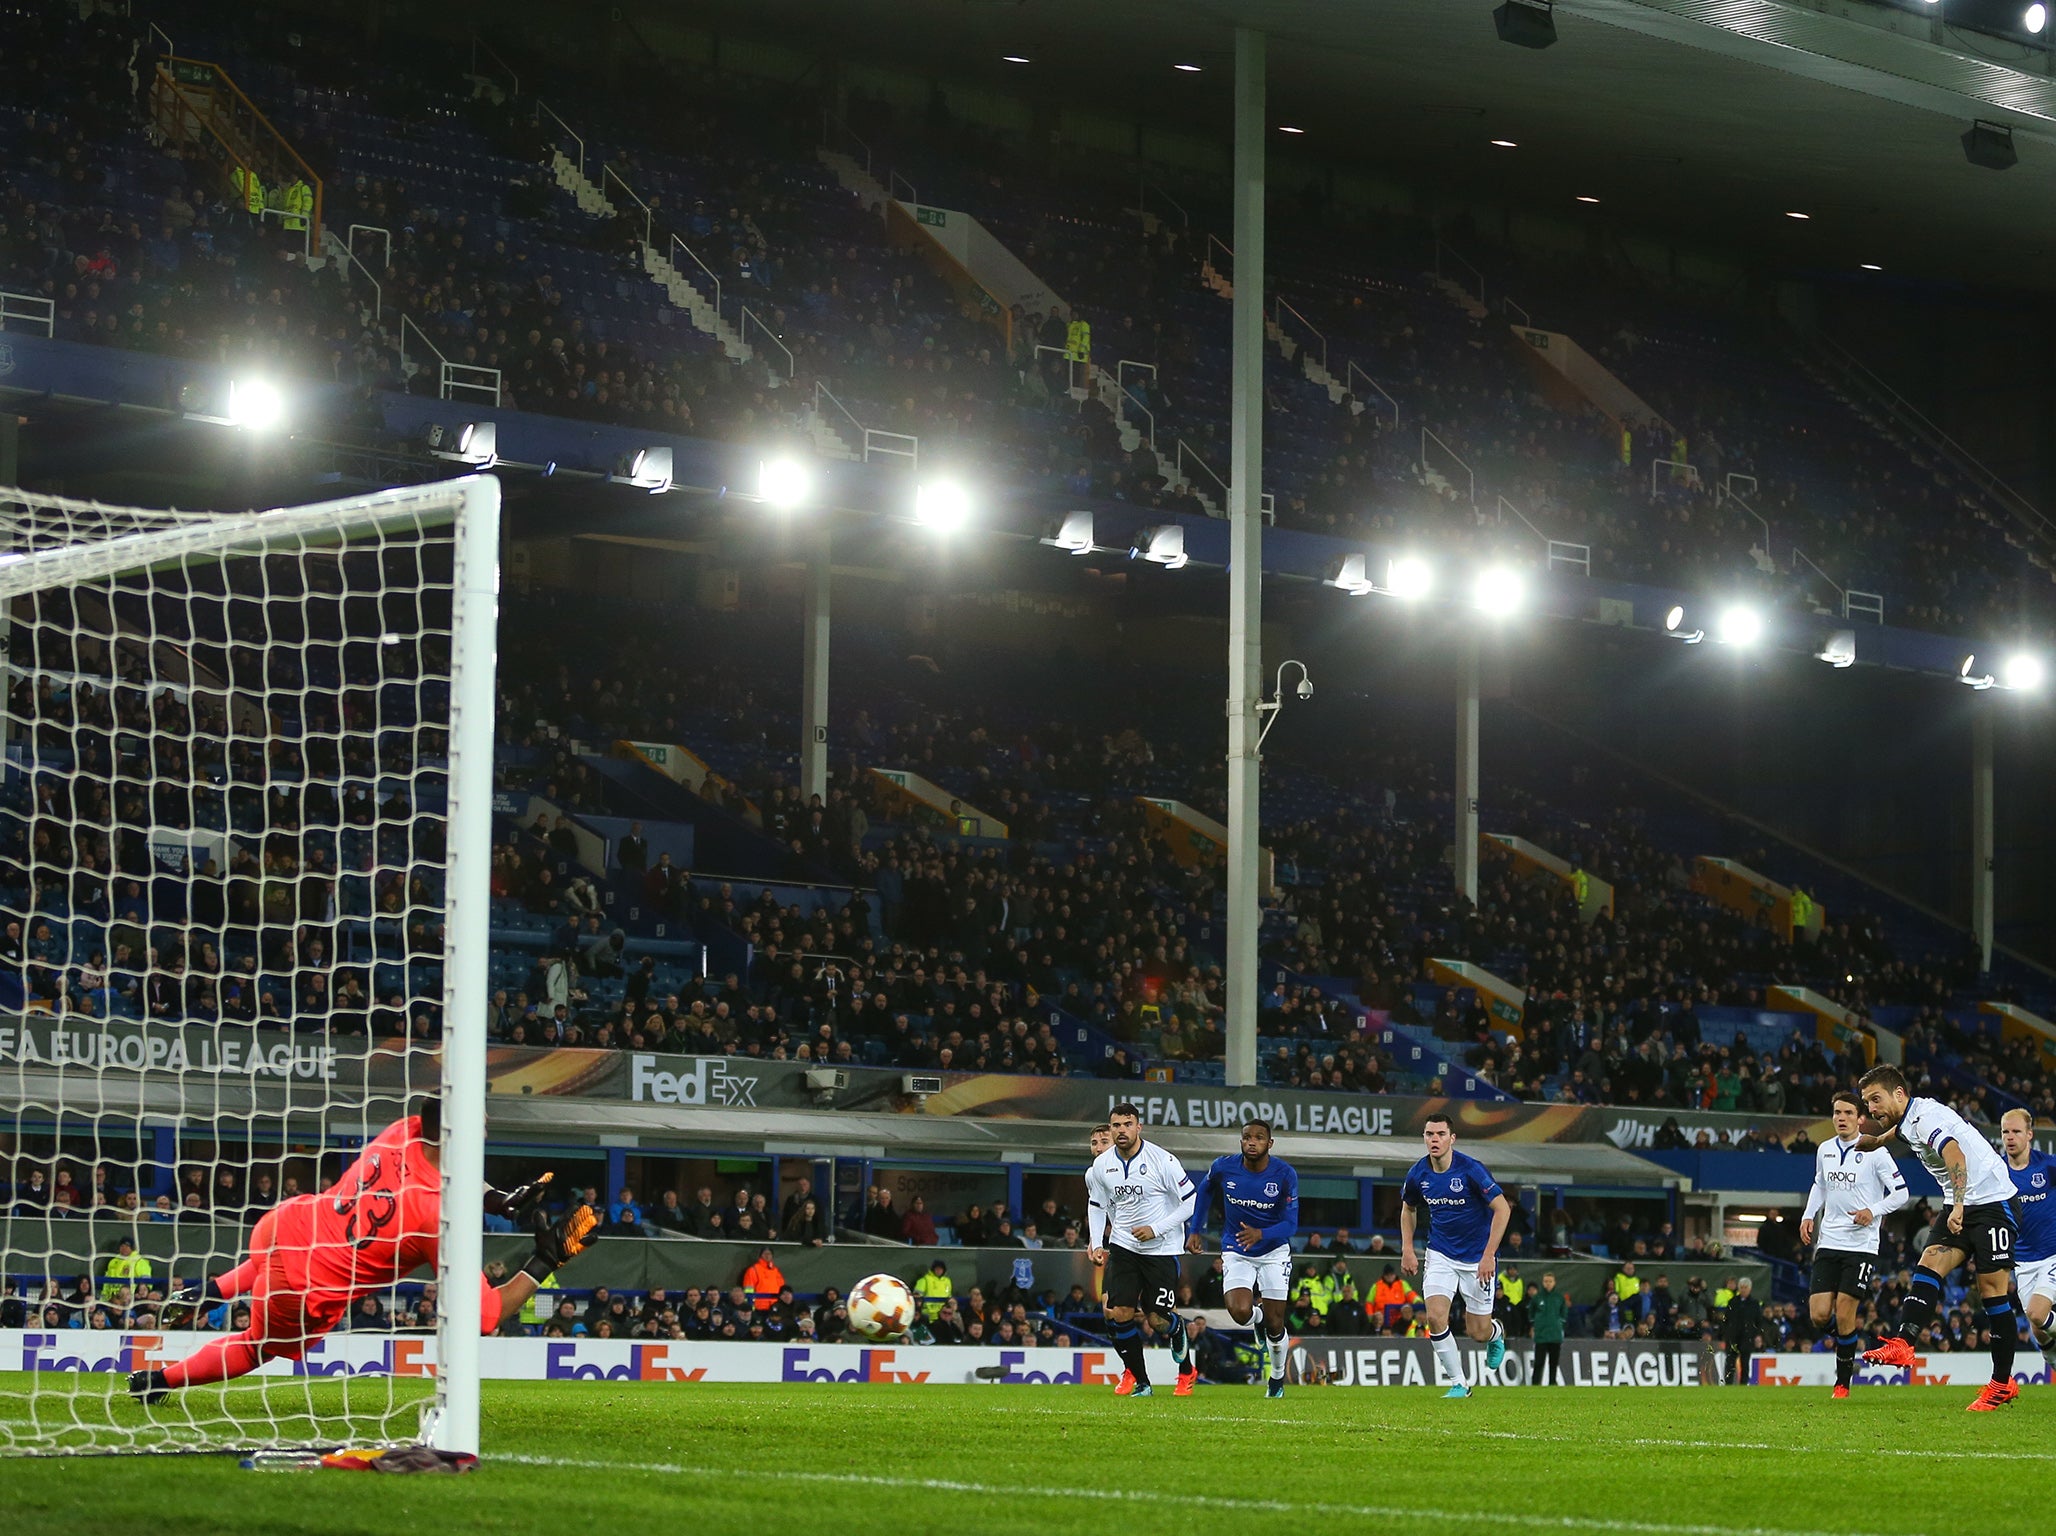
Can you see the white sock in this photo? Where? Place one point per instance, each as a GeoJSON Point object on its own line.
{"type": "Point", "coordinates": [1448, 1354]}
{"type": "Point", "coordinates": [1498, 1329]}
{"type": "Point", "coordinates": [1277, 1343]}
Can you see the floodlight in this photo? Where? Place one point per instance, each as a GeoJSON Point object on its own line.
{"type": "Point", "coordinates": [2022, 671]}
{"type": "Point", "coordinates": [1164, 545]}
{"type": "Point", "coordinates": [647, 469]}
{"type": "Point", "coordinates": [942, 505]}
{"type": "Point", "coordinates": [1839, 649]}
{"type": "Point", "coordinates": [784, 482]}
{"type": "Point", "coordinates": [1970, 677]}
{"type": "Point", "coordinates": [1348, 574]}
{"type": "Point", "coordinates": [1525, 23]}
{"type": "Point", "coordinates": [1409, 577]}
{"type": "Point", "coordinates": [1674, 626]}
{"type": "Point", "coordinates": [256, 404]}
{"type": "Point", "coordinates": [1739, 625]}
{"type": "Point", "coordinates": [475, 442]}
{"type": "Point", "coordinates": [1499, 591]}
{"type": "Point", "coordinates": [2036, 18]}
{"type": "Point", "coordinates": [1073, 534]}
{"type": "Point", "coordinates": [1990, 145]}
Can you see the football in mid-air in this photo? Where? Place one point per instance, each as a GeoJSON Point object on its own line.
{"type": "Point", "coordinates": [881, 1307]}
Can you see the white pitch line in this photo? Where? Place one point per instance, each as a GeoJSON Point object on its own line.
{"type": "Point", "coordinates": [1651, 1440]}
{"type": "Point", "coordinates": [1493, 1517]}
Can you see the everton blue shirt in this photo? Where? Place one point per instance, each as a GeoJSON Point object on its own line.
{"type": "Point", "coordinates": [1268, 1201]}
{"type": "Point", "coordinates": [2034, 1204]}
{"type": "Point", "coordinates": [1458, 1203]}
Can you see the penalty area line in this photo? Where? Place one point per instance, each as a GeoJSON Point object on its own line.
{"type": "Point", "coordinates": [1491, 1517]}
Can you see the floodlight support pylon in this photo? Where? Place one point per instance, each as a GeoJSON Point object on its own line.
{"type": "Point", "coordinates": [1982, 852]}
{"type": "Point", "coordinates": [1465, 853]}
{"type": "Point", "coordinates": [1245, 559]}
{"type": "Point", "coordinates": [814, 678]}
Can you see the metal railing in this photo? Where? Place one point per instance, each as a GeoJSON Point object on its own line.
{"type": "Point", "coordinates": [1216, 243]}
{"type": "Point", "coordinates": [157, 35]}
{"type": "Point", "coordinates": [894, 181]}
{"type": "Point", "coordinates": [892, 445]}
{"type": "Point", "coordinates": [1124, 396]}
{"type": "Point", "coordinates": [1555, 551]}
{"type": "Point", "coordinates": [829, 123]}
{"type": "Point", "coordinates": [1352, 373]}
{"type": "Point", "coordinates": [1690, 475]}
{"type": "Point", "coordinates": [1142, 201]}
{"type": "Point", "coordinates": [1280, 309]}
{"type": "Point", "coordinates": [452, 379]}
{"type": "Point", "coordinates": [1443, 250]}
{"type": "Point", "coordinates": [1870, 605]}
{"type": "Point", "coordinates": [872, 441]}
{"type": "Point", "coordinates": [1188, 454]}
{"type": "Point", "coordinates": [1509, 307]}
{"type": "Point", "coordinates": [480, 45]}
{"type": "Point", "coordinates": [1799, 557]}
{"type": "Point", "coordinates": [1917, 422]}
{"type": "Point", "coordinates": [749, 318]}
{"type": "Point", "coordinates": [344, 252]}
{"type": "Point", "coordinates": [1727, 493]}
{"type": "Point", "coordinates": [29, 309]}
{"type": "Point", "coordinates": [1470, 479]}
{"type": "Point", "coordinates": [1071, 367]}
{"type": "Point", "coordinates": [190, 98]}
{"type": "Point", "coordinates": [607, 174]}
{"type": "Point", "coordinates": [679, 245]}
{"type": "Point", "coordinates": [542, 111]}
{"type": "Point", "coordinates": [350, 243]}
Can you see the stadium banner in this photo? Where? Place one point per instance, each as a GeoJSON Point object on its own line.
{"type": "Point", "coordinates": [1968, 1368]}
{"type": "Point", "coordinates": [1381, 1362]}
{"type": "Point", "coordinates": [104, 1351]}
{"type": "Point", "coordinates": [737, 1082]}
{"type": "Point", "coordinates": [1390, 1362]}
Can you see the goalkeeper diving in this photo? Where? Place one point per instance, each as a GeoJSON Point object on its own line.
{"type": "Point", "coordinates": [316, 1255]}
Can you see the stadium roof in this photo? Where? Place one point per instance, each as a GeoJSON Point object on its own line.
{"type": "Point", "coordinates": [1712, 119]}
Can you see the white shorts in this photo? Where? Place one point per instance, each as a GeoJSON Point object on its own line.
{"type": "Point", "coordinates": [2036, 1279]}
{"type": "Point", "coordinates": [1269, 1274]}
{"type": "Point", "coordinates": [1443, 1276]}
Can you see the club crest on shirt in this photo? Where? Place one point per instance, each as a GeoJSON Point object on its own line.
{"type": "Point", "coordinates": [1456, 1185]}
{"type": "Point", "coordinates": [1272, 1189]}
{"type": "Point", "coordinates": [2039, 1180]}
{"type": "Point", "coordinates": [1859, 1159]}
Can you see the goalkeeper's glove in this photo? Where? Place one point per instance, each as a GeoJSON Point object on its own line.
{"type": "Point", "coordinates": [515, 1204]}
{"type": "Point", "coordinates": [557, 1243]}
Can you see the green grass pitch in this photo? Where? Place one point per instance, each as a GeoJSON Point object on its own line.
{"type": "Point", "coordinates": [628, 1458]}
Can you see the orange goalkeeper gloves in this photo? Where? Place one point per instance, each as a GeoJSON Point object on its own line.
{"type": "Point", "coordinates": [557, 1243]}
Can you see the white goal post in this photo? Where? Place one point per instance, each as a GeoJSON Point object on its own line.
{"type": "Point", "coordinates": [245, 843]}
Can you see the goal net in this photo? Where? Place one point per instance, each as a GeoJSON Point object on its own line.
{"type": "Point", "coordinates": [245, 825]}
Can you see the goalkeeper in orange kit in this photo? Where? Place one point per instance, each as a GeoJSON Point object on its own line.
{"type": "Point", "coordinates": [315, 1255]}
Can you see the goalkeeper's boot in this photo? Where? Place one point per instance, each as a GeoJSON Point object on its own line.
{"type": "Point", "coordinates": [1496, 1353]}
{"type": "Point", "coordinates": [1996, 1395]}
{"type": "Point", "coordinates": [1125, 1385]}
{"type": "Point", "coordinates": [148, 1388]}
{"type": "Point", "coordinates": [1895, 1352]}
{"type": "Point", "coordinates": [558, 1243]}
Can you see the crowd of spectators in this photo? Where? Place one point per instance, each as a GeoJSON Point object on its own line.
{"type": "Point", "coordinates": [161, 259]}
